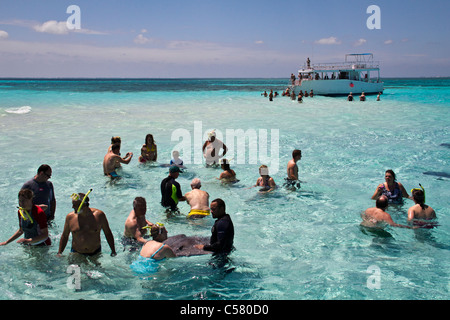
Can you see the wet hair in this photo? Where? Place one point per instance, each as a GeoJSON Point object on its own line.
{"type": "Point", "coordinates": [115, 139]}
{"type": "Point", "coordinates": [115, 146]}
{"type": "Point", "coordinates": [43, 168]}
{"type": "Point", "coordinates": [419, 197]}
{"type": "Point", "coordinates": [392, 173]}
{"type": "Point", "coordinates": [149, 136]}
{"type": "Point", "coordinates": [86, 201]}
{"type": "Point", "coordinates": [220, 203]}
{"type": "Point", "coordinates": [26, 193]}
{"type": "Point", "coordinates": [296, 153]}
{"type": "Point", "coordinates": [382, 202]}
{"type": "Point", "coordinates": [138, 200]}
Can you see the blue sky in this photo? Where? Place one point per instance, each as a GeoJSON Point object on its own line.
{"type": "Point", "coordinates": [215, 38]}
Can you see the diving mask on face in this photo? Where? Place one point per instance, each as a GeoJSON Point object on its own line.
{"type": "Point", "coordinates": [76, 197]}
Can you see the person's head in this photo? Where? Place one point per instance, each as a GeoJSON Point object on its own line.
{"type": "Point", "coordinates": [418, 197]}
{"type": "Point", "coordinates": [158, 233]}
{"type": "Point", "coordinates": [149, 139]}
{"type": "Point", "coordinates": [389, 176]}
{"type": "Point", "coordinates": [115, 148]}
{"type": "Point", "coordinates": [175, 154]}
{"type": "Point", "coordinates": [44, 172]}
{"type": "Point", "coordinates": [139, 206]}
{"type": "Point", "coordinates": [196, 183]}
{"type": "Point", "coordinates": [212, 135]}
{"type": "Point", "coordinates": [26, 198]}
{"type": "Point", "coordinates": [382, 202]}
{"type": "Point", "coordinates": [116, 139]}
{"type": "Point", "coordinates": [217, 208]}
{"type": "Point", "coordinates": [174, 171]}
{"type": "Point", "coordinates": [77, 199]}
{"type": "Point", "coordinates": [263, 170]}
{"type": "Point", "coordinates": [224, 164]}
{"type": "Point", "coordinates": [297, 154]}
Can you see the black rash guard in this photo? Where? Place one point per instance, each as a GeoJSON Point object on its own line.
{"type": "Point", "coordinates": [222, 236]}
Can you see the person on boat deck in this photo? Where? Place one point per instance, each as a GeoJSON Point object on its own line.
{"type": "Point", "coordinates": [377, 217]}
{"type": "Point", "coordinates": [85, 224]}
{"type": "Point", "coordinates": [149, 150]}
{"type": "Point", "coordinates": [198, 200]}
{"type": "Point", "coordinates": [32, 222]}
{"type": "Point", "coordinates": [393, 190]}
{"type": "Point", "coordinates": [155, 249]}
{"type": "Point", "coordinates": [265, 180]}
{"type": "Point", "coordinates": [420, 211]}
{"type": "Point", "coordinates": [113, 160]}
{"type": "Point", "coordinates": [136, 223]}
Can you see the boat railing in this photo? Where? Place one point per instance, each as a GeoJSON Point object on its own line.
{"type": "Point", "coordinates": [343, 66]}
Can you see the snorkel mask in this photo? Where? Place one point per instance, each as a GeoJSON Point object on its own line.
{"type": "Point", "coordinates": [76, 197]}
{"type": "Point", "coordinates": [158, 224]}
{"type": "Point", "coordinates": [421, 188]}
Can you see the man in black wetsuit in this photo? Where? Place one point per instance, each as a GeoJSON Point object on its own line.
{"type": "Point", "coordinates": [171, 191]}
{"type": "Point", "coordinates": [222, 231]}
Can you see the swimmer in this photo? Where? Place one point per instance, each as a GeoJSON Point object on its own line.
{"type": "Point", "coordinates": [420, 212]}
{"type": "Point", "coordinates": [350, 97]}
{"type": "Point", "coordinates": [85, 224]}
{"type": "Point", "coordinates": [362, 97]}
{"type": "Point", "coordinates": [265, 181]}
{"type": "Point", "coordinates": [392, 189]}
{"type": "Point", "coordinates": [377, 217]}
{"type": "Point", "coordinates": [113, 160]}
{"type": "Point", "coordinates": [176, 160]}
{"type": "Point", "coordinates": [32, 222]}
{"type": "Point", "coordinates": [149, 150]}
{"type": "Point", "coordinates": [136, 223]}
{"type": "Point", "coordinates": [198, 200]}
{"type": "Point", "coordinates": [228, 175]}
{"type": "Point", "coordinates": [114, 140]}
{"type": "Point", "coordinates": [292, 180]}
{"type": "Point", "coordinates": [378, 96]}
{"type": "Point", "coordinates": [155, 249]}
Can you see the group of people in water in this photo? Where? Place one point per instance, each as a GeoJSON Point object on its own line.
{"type": "Point", "coordinates": [291, 93]}
{"type": "Point", "coordinates": [37, 205]}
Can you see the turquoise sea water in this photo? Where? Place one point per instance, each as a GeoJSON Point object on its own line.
{"type": "Point", "coordinates": [289, 245]}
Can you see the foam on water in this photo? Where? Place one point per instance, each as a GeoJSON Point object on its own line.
{"type": "Point", "coordinates": [290, 245]}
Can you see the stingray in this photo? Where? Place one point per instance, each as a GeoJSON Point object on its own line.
{"type": "Point", "coordinates": [183, 246]}
{"type": "Point", "coordinates": [438, 174]}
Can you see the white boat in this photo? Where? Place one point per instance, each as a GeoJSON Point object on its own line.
{"type": "Point", "coordinates": [359, 73]}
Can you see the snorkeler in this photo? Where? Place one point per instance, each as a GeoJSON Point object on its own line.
{"type": "Point", "coordinates": [420, 212]}
{"type": "Point", "coordinates": [32, 222]}
{"type": "Point", "coordinates": [85, 224]}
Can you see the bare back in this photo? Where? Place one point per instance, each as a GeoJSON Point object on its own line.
{"type": "Point", "coordinates": [198, 199]}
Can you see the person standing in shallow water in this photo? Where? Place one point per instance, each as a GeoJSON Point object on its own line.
{"type": "Point", "coordinates": [393, 190]}
{"type": "Point", "coordinates": [85, 224]}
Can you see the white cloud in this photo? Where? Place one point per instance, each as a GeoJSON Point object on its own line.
{"type": "Point", "coordinates": [141, 39]}
{"type": "Point", "coordinates": [60, 27]}
{"type": "Point", "coordinates": [53, 27]}
{"type": "Point", "coordinates": [3, 34]}
{"type": "Point", "coordinates": [330, 40]}
{"type": "Point", "coordinates": [360, 42]}
{"type": "Point", "coordinates": [259, 42]}
{"type": "Point", "coordinates": [388, 42]}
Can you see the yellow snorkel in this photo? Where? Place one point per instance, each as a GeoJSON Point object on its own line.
{"type": "Point", "coordinates": [158, 224]}
{"type": "Point", "coordinates": [76, 197]}
{"type": "Point", "coordinates": [423, 189]}
{"type": "Point", "coordinates": [25, 218]}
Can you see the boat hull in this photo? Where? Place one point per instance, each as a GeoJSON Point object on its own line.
{"type": "Point", "coordinates": [339, 87]}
